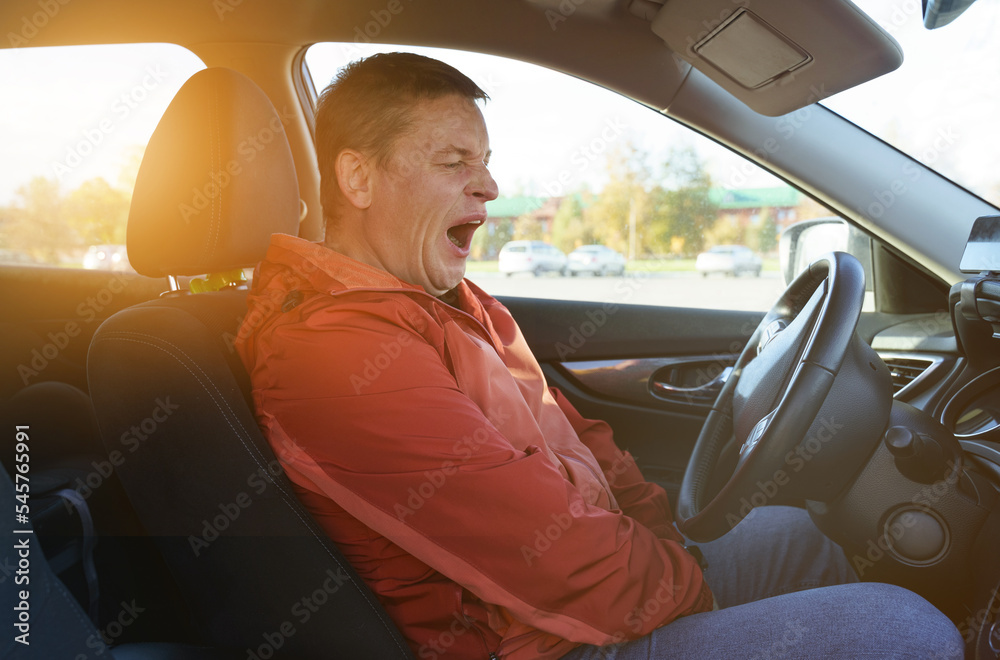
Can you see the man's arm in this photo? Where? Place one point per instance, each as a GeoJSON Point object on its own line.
{"type": "Point", "coordinates": [646, 502]}
{"type": "Point", "coordinates": [402, 449]}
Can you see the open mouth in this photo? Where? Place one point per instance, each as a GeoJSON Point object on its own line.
{"type": "Point", "coordinates": [461, 235]}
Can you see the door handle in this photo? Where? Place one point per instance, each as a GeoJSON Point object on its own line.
{"type": "Point", "coordinates": [707, 391]}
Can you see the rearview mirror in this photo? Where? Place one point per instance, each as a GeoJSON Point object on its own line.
{"type": "Point", "coordinates": [938, 13]}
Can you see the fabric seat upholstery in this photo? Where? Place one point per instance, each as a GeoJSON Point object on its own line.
{"type": "Point", "coordinates": [170, 394]}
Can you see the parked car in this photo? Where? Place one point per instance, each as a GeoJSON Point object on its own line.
{"type": "Point", "coordinates": [536, 257]}
{"type": "Point", "coordinates": [106, 257]}
{"type": "Point", "coordinates": [159, 527]}
{"type": "Point", "coordinates": [731, 260]}
{"type": "Point", "coordinates": [595, 259]}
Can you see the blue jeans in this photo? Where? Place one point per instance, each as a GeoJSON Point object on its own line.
{"type": "Point", "coordinates": [786, 591]}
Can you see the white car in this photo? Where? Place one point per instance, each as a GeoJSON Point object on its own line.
{"type": "Point", "coordinates": [596, 259]}
{"type": "Point", "coordinates": [728, 259]}
{"type": "Point", "coordinates": [106, 257]}
{"type": "Point", "coordinates": [536, 257]}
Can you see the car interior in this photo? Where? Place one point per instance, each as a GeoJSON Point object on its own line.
{"type": "Point", "coordinates": [161, 525]}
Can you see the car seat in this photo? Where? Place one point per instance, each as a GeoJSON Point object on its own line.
{"type": "Point", "coordinates": [254, 569]}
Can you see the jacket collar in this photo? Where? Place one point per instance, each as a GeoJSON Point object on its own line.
{"type": "Point", "coordinates": [331, 272]}
{"type": "Point", "coordinates": [327, 270]}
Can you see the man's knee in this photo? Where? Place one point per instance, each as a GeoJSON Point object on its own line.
{"type": "Point", "coordinates": [899, 621]}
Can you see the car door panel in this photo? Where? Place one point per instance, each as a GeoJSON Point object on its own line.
{"type": "Point", "coordinates": [603, 356]}
{"type": "Point", "coordinates": [52, 314]}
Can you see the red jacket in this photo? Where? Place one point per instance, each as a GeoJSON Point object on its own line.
{"type": "Point", "coordinates": [484, 512]}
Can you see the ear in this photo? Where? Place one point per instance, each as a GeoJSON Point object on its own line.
{"type": "Point", "coordinates": [354, 177]}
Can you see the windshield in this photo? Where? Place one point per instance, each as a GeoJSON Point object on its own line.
{"type": "Point", "coordinates": [942, 105]}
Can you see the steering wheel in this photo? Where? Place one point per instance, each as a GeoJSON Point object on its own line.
{"type": "Point", "coordinates": [775, 404]}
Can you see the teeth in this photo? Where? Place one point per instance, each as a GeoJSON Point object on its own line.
{"type": "Point", "coordinates": [454, 240]}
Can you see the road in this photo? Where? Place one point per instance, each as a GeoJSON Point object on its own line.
{"type": "Point", "coordinates": [668, 289]}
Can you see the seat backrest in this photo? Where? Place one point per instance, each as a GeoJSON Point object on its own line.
{"type": "Point", "coordinates": [172, 398]}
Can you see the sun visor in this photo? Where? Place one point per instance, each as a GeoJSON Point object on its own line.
{"type": "Point", "coordinates": [775, 55]}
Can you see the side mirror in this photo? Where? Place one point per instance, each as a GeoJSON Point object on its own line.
{"type": "Point", "coordinates": [803, 241]}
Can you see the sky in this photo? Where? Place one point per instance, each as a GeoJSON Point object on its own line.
{"type": "Point", "coordinates": [549, 132]}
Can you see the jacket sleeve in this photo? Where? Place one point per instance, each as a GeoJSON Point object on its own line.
{"type": "Point", "coordinates": [645, 502]}
{"type": "Point", "coordinates": [380, 426]}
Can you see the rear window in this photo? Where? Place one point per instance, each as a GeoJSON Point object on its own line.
{"type": "Point", "coordinates": [75, 123]}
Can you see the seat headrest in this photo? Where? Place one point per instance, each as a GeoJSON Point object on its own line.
{"type": "Point", "coordinates": [217, 179]}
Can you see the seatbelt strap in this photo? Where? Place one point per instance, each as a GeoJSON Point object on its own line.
{"type": "Point", "coordinates": [76, 500]}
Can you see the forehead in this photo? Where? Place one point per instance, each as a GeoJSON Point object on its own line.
{"type": "Point", "coordinates": [446, 122]}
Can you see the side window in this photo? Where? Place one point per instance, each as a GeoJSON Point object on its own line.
{"type": "Point", "coordinates": [71, 156]}
{"type": "Point", "coordinates": [686, 222]}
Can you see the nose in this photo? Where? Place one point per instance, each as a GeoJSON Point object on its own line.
{"type": "Point", "coordinates": [483, 185]}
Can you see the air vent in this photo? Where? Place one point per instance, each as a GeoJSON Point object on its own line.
{"type": "Point", "coordinates": [908, 371]}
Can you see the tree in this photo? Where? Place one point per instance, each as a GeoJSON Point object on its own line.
{"type": "Point", "coordinates": [527, 228]}
{"type": "Point", "coordinates": [97, 212]}
{"type": "Point", "coordinates": [33, 223]}
{"type": "Point", "coordinates": [767, 232]}
{"type": "Point", "coordinates": [568, 228]}
{"type": "Point", "coordinates": [680, 206]}
{"type": "Point", "coordinates": [54, 228]}
{"type": "Point", "coordinates": [622, 206]}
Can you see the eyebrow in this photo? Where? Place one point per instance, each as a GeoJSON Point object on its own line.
{"type": "Point", "coordinates": [464, 153]}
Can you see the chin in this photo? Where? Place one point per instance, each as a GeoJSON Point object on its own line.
{"type": "Point", "coordinates": [443, 285]}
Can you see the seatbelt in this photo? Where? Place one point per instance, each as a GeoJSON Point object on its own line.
{"type": "Point", "coordinates": [74, 499]}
